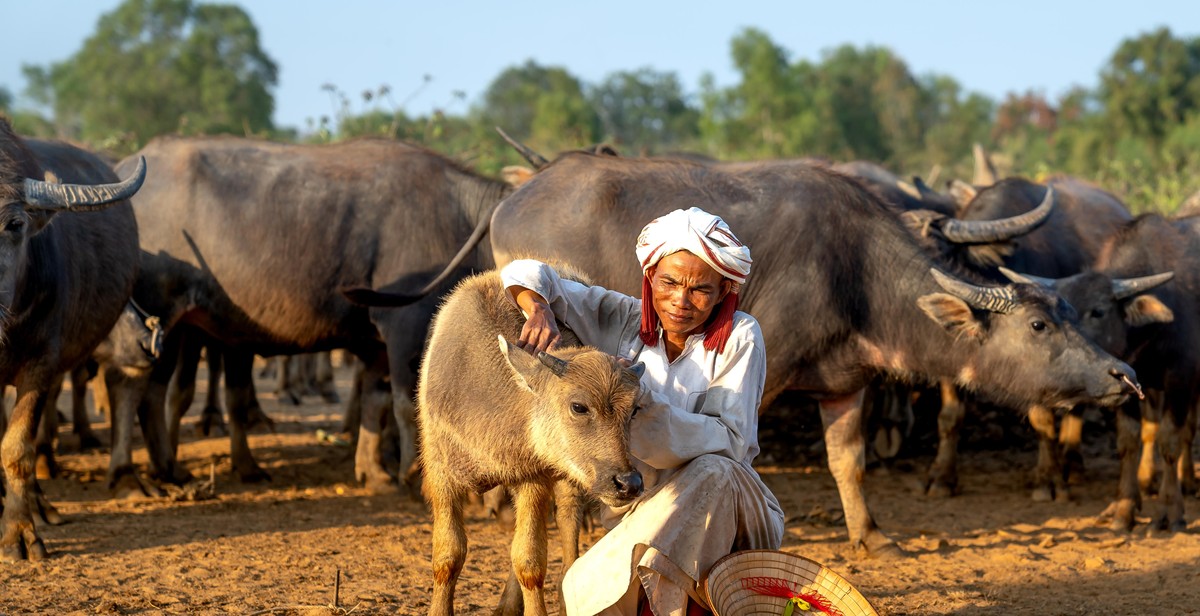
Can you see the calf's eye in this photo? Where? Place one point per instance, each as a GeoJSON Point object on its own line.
{"type": "Point", "coordinates": [1097, 313]}
{"type": "Point", "coordinates": [578, 408]}
{"type": "Point", "coordinates": [1038, 325]}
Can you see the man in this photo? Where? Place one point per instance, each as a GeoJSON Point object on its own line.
{"type": "Point", "coordinates": [696, 429]}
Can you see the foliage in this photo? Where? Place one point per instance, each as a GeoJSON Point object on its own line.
{"type": "Point", "coordinates": [189, 67]}
{"type": "Point", "coordinates": [161, 66]}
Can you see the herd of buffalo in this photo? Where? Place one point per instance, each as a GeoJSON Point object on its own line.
{"type": "Point", "coordinates": [1039, 296]}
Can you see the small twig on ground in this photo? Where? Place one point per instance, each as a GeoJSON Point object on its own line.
{"type": "Point", "coordinates": [337, 611]}
{"type": "Point", "coordinates": [337, 589]}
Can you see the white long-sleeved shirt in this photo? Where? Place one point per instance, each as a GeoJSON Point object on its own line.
{"type": "Point", "coordinates": [704, 402]}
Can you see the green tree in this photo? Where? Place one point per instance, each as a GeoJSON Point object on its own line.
{"type": "Point", "coordinates": [644, 110]}
{"type": "Point", "coordinates": [545, 105]}
{"type": "Point", "coordinates": [1151, 84]}
{"type": "Point", "coordinates": [161, 66]}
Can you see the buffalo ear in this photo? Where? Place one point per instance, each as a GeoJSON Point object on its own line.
{"type": "Point", "coordinates": [524, 365]}
{"type": "Point", "coordinates": [1146, 309]}
{"type": "Point", "coordinates": [962, 193]}
{"type": "Point", "coordinates": [951, 313]}
{"type": "Point", "coordinates": [516, 175]}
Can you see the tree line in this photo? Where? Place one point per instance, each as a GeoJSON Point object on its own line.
{"type": "Point", "coordinates": [197, 68]}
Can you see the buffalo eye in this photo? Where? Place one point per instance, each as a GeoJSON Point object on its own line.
{"type": "Point", "coordinates": [1038, 325]}
{"type": "Point", "coordinates": [579, 409]}
{"type": "Point", "coordinates": [15, 225]}
{"type": "Point", "coordinates": [1097, 313]}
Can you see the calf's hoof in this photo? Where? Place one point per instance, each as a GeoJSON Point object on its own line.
{"type": "Point", "coordinates": [23, 546]}
{"type": "Point", "coordinates": [46, 513]}
{"type": "Point", "coordinates": [129, 487]}
{"type": "Point", "coordinates": [879, 546]}
{"type": "Point", "coordinates": [45, 467]}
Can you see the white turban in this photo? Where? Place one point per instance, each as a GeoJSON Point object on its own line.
{"type": "Point", "coordinates": [700, 233]}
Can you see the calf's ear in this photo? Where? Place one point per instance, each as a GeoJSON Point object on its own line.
{"type": "Point", "coordinates": [1146, 309]}
{"type": "Point", "coordinates": [523, 365]}
{"type": "Point", "coordinates": [951, 313]}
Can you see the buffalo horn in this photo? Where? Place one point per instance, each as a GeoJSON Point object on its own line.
{"type": "Point", "coordinates": [537, 160]}
{"type": "Point", "coordinates": [1027, 278]}
{"type": "Point", "coordinates": [1128, 287]}
{"type": "Point", "coordinates": [987, 231]}
{"type": "Point", "coordinates": [556, 365]}
{"type": "Point", "coordinates": [993, 299]}
{"type": "Point", "coordinates": [51, 196]}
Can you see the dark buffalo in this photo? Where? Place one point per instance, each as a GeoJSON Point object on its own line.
{"type": "Point", "coordinates": [62, 287]}
{"type": "Point", "coordinates": [1069, 242]}
{"type": "Point", "coordinates": [1159, 334]}
{"type": "Point", "coordinates": [250, 241]}
{"type": "Point", "coordinates": [841, 290]}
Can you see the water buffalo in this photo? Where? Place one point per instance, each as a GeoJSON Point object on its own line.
{"type": "Point", "coordinates": [1068, 242]}
{"type": "Point", "coordinates": [1159, 334]}
{"type": "Point", "coordinates": [68, 258]}
{"type": "Point", "coordinates": [842, 290]}
{"type": "Point", "coordinates": [250, 241]}
{"type": "Point", "coordinates": [493, 414]}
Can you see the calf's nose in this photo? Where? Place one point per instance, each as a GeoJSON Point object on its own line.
{"type": "Point", "coordinates": [629, 485]}
{"type": "Point", "coordinates": [1128, 379]}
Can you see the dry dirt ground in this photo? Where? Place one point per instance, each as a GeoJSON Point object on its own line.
{"type": "Point", "coordinates": [277, 548]}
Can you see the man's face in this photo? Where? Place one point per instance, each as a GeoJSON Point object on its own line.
{"type": "Point", "coordinates": [686, 290]}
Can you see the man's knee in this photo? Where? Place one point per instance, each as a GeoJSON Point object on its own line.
{"type": "Point", "coordinates": [710, 468]}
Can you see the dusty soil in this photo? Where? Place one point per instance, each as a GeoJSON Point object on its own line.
{"type": "Point", "coordinates": [277, 548]}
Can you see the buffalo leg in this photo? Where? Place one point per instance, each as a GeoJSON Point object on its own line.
{"type": "Point", "coordinates": [376, 401]}
{"type": "Point", "coordinates": [1129, 496]}
{"type": "Point", "coordinates": [212, 419]}
{"type": "Point", "coordinates": [1187, 466]}
{"type": "Point", "coordinates": [1047, 478]}
{"type": "Point", "coordinates": [449, 544]}
{"type": "Point", "coordinates": [943, 474]}
{"type": "Point", "coordinates": [240, 399]}
{"type": "Point", "coordinates": [183, 385]}
{"type": "Point", "coordinates": [126, 392]}
{"type": "Point", "coordinates": [842, 418]}
{"type": "Point", "coordinates": [352, 417]}
{"type": "Point", "coordinates": [1070, 439]}
{"type": "Point", "coordinates": [18, 537]}
{"type": "Point", "coordinates": [152, 416]}
{"type": "Point", "coordinates": [323, 376]}
{"type": "Point", "coordinates": [45, 466]}
{"type": "Point", "coordinates": [1169, 445]}
{"type": "Point", "coordinates": [81, 425]}
{"type": "Point", "coordinates": [532, 502]}
{"type": "Point", "coordinates": [1152, 408]}
{"type": "Point", "coordinates": [287, 374]}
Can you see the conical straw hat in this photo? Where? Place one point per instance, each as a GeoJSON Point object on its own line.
{"type": "Point", "coordinates": [767, 582]}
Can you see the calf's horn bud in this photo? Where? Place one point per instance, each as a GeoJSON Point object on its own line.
{"type": "Point", "coordinates": [556, 365]}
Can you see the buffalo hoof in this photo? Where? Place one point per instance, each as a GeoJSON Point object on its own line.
{"type": "Point", "coordinates": [22, 543]}
{"type": "Point", "coordinates": [46, 513]}
{"type": "Point", "coordinates": [212, 419]}
{"type": "Point", "coordinates": [1042, 494]}
{"type": "Point", "coordinates": [879, 546]}
{"type": "Point", "coordinates": [1120, 514]}
{"type": "Point", "coordinates": [381, 486]}
{"type": "Point", "coordinates": [938, 489]}
{"type": "Point", "coordinates": [255, 418]}
{"type": "Point", "coordinates": [45, 466]}
{"type": "Point", "coordinates": [254, 474]}
{"type": "Point", "coordinates": [88, 441]}
{"type": "Point", "coordinates": [512, 602]}
{"type": "Point", "coordinates": [129, 487]}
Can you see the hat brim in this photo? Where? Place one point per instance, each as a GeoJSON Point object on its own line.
{"type": "Point", "coordinates": [728, 587]}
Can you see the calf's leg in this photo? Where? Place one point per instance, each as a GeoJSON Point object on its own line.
{"type": "Point", "coordinates": [943, 474]}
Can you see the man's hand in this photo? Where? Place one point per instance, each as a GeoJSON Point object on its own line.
{"type": "Point", "coordinates": [540, 332]}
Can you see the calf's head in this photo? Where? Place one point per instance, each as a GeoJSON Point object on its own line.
{"type": "Point", "coordinates": [1027, 346]}
{"type": "Point", "coordinates": [579, 423]}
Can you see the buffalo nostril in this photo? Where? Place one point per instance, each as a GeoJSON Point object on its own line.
{"type": "Point", "coordinates": [1128, 381]}
{"type": "Point", "coordinates": [629, 485]}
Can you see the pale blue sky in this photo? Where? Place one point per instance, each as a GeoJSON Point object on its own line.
{"type": "Point", "coordinates": [992, 47]}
